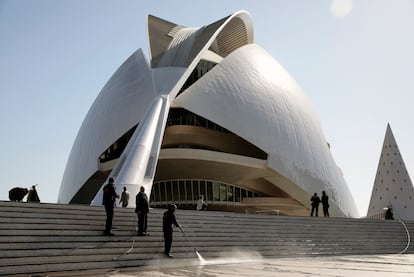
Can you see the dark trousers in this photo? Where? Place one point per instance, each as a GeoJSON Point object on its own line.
{"type": "Point", "coordinates": [142, 223]}
{"type": "Point", "coordinates": [325, 211]}
{"type": "Point", "coordinates": [168, 237]}
{"type": "Point", "coordinates": [315, 209]}
{"type": "Point", "coordinates": [109, 209]}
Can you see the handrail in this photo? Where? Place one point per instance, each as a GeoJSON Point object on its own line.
{"type": "Point", "coordinates": [408, 237]}
{"type": "Point", "coordinates": [381, 216]}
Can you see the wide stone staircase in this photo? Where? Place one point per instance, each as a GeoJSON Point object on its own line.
{"type": "Point", "coordinates": [63, 240]}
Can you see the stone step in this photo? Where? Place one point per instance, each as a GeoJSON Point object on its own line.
{"type": "Point", "coordinates": [44, 218]}
{"type": "Point", "coordinates": [42, 238]}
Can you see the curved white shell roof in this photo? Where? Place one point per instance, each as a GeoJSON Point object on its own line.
{"type": "Point", "coordinates": [248, 93]}
{"type": "Point", "coordinates": [112, 114]}
{"type": "Point", "coordinates": [252, 95]}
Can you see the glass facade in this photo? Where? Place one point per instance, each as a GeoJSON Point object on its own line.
{"type": "Point", "coordinates": [115, 150]}
{"type": "Point", "coordinates": [187, 192]}
{"type": "Point", "coordinates": [179, 116]}
{"type": "Point", "coordinates": [202, 68]}
{"type": "Point", "coordinates": [230, 142]}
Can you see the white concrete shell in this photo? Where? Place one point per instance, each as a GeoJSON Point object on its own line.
{"type": "Point", "coordinates": [247, 92]}
{"type": "Point", "coordinates": [112, 114]}
{"type": "Point", "coordinates": [252, 95]}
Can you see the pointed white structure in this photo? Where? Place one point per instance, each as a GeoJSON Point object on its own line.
{"type": "Point", "coordinates": [392, 185]}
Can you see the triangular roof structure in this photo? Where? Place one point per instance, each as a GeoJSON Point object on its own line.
{"type": "Point", "coordinates": [392, 185]}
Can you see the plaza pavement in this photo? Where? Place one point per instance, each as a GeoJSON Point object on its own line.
{"type": "Point", "coordinates": [252, 265]}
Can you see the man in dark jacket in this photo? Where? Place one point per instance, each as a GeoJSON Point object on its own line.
{"type": "Point", "coordinates": [167, 222]}
{"type": "Point", "coordinates": [325, 204]}
{"type": "Point", "coordinates": [315, 200]}
{"type": "Point", "coordinates": [109, 196]}
{"type": "Point", "coordinates": [142, 209]}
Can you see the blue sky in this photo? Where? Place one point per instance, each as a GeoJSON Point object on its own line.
{"type": "Point", "coordinates": [57, 55]}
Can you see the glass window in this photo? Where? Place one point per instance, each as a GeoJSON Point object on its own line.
{"type": "Point", "coordinates": [176, 196]}
{"type": "Point", "coordinates": [223, 192]}
{"type": "Point", "coordinates": [152, 199]}
{"type": "Point", "coordinates": [169, 191]}
{"type": "Point", "coordinates": [182, 190]}
{"type": "Point", "coordinates": [162, 191]}
{"type": "Point", "coordinates": [244, 193]}
{"type": "Point", "coordinates": [216, 191]}
{"type": "Point", "coordinates": [237, 194]}
{"type": "Point", "coordinates": [203, 190]}
{"type": "Point", "coordinates": [189, 191]}
{"type": "Point", "coordinates": [187, 119]}
{"type": "Point", "coordinates": [156, 192]}
{"type": "Point", "coordinates": [196, 190]}
{"type": "Point", "coordinates": [209, 188]}
{"type": "Point", "coordinates": [230, 193]}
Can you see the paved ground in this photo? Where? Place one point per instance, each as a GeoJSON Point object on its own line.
{"type": "Point", "coordinates": [372, 266]}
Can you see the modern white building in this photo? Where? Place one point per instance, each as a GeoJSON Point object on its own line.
{"type": "Point", "coordinates": [210, 113]}
{"type": "Point", "coordinates": [392, 186]}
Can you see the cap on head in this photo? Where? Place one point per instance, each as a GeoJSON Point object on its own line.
{"type": "Point", "coordinates": [111, 180]}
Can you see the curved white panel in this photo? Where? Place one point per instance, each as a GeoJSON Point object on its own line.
{"type": "Point", "coordinates": [253, 96]}
{"type": "Point", "coordinates": [120, 105]}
